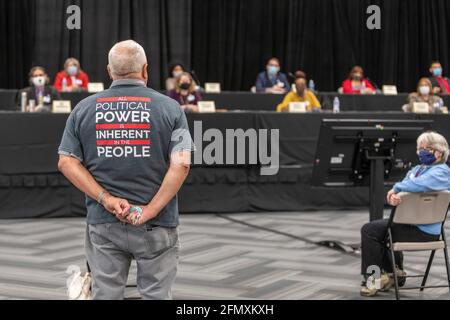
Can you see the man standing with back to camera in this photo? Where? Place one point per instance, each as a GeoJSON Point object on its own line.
{"type": "Point", "coordinates": [129, 147]}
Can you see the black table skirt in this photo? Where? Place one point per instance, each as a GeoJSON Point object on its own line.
{"type": "Point", "coordinates": [207, 190]}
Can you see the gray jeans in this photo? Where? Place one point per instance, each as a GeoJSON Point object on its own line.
{"type": "Point", "coordinates": [110, 248]}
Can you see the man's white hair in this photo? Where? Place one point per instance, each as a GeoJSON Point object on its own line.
{"type": "Point", "coordinates": [126, 57]}
{"type": "Point", "coordinates": [435, 141]}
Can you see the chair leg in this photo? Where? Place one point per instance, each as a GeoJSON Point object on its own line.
{"type": "Point", "coordinates": [391, 249]}
{"type": "Point", "coordinates": [427, 271]}
{"type": "Point", "coordinates": [446, 264]}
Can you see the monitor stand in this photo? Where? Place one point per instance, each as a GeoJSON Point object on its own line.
{"type": "Point", "coordinates": [376, 187]}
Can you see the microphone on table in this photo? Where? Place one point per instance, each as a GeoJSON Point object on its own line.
{"type": "Point", "coordinates": [196, 79]}
{"type": "Point", "coordinates": [291, 75]}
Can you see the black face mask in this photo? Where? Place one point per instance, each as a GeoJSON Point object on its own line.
{"type": "Point", "coordinates": [300, 89]}
{"type": "Point", "coordinates": [184, 86]}
{"type": "Point", "coordinates": [357, 77]}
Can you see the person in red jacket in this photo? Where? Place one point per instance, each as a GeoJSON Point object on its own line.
{"type": "Point", "coordinates": [72, 78]}
{"type": "Point", "coordinates": [356, 83]}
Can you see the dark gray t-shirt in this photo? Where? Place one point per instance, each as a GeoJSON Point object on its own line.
{"type": "Point", "coordinates": [124, 136]}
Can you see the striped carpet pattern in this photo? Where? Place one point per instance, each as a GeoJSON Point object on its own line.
{"type": "Point", "coordinates": [233, 256]}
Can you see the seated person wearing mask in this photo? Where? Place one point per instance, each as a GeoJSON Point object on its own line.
{"type": "Point", "coordinates": [432, 174]}
{"type": "Point", "coordinates": [424, 94]}
{"type": "Point", "coordinates": [302, 94]}
{"type": "Point", "coordinates": [185, 93]}
{"type": "Point", "coordinates": [39, 90]}
{"type": "Point", "coordinates": [441, 84]}
{"type": "Point", "coordinates": [272, 80]}
{"type": "Point", "coordinates": [72, 78]}
{"type": "Point", "coordinates": [356, 83]}
{"type": "Point", "coordinates": [175, 70]}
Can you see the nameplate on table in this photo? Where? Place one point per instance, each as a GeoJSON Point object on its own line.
{"type": "Point", "coordinates": [61, 106]}
{"type": "Point", "coordinates": [421, 107]}
{"type": "Point", "coordinates": [94, 87]}
{"type": "Point", "coordinates": [212, 87]}
{"type": "Point", "coordinates": [390, 90]}
{"type": "Point", "coordinates": [297, 107]}
{"type": "Point", "coordinates": [206, 106]}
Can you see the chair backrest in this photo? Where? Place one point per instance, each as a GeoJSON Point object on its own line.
{"type": "Point", "coordinates": [422, 208]}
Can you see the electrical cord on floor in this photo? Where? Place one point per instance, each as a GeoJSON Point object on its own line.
{"type": "Point", "coordinates": [352, 250]}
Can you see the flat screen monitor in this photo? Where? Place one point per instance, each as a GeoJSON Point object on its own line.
{"type": "Point", "coordinates": [347, 146]}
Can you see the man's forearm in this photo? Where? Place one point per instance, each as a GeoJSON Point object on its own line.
{"type": "Point", "coordinates": [80, 177]}
{"type": "Point", "coordinates": [84, 181]}
{"type": "Point", "coordinates": [171, 184]}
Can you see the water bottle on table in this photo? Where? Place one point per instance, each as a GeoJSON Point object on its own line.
{"type": "Point", "coordinates": [311, 85]}
{"type": "Point", "coordinates": [336, 105]}
{"type": "Point", "coordinates": [23, 102]}
{"type": "Point", "coordinates": [441, 105]}
{"type": "Point", "coordinates": [32, 105]}
{"type": "Point", "coordinates": [363, 87]}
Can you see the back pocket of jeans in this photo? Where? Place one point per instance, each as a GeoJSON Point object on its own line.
{"type": "Point", "coordinates": [98, 234]}
{"type": "Point", "coordinates": [158, 239]}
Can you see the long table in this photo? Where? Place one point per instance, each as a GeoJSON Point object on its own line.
{"type": "Point", "coordinates": [259, 101]}
{"type": "Point", "coordinates": [249, 101]}
{"type": "Point", "coordinates": [31, 186]}
{"type": "Point", "coordinates": [348, 102]}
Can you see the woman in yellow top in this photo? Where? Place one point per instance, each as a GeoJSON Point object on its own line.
{"type": "Point", "coordinates": [302, 95]}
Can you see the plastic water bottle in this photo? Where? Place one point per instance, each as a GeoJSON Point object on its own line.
{"type": "Point", "coordinates": [64, 84]}
{"type": "Point", "coordinates": [23, 102]}
{"type": "Point", "coordinates": [437, 106]}
{"type": "Point", "coordinates": [311, 85]}
{"type": "Point", "coordinates": [363, 86]}
{"type": "Point", "coordinates": [441, 105]}
{"type": "Point", "coordinates": [336, 105]}
{"type": "Point", "coordinates": [32, 105]}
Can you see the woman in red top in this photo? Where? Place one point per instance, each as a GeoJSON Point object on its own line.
{"type": "Point", "coordinates": [356, 84]}
{"type": "Point", "coordinates": [72, 78]}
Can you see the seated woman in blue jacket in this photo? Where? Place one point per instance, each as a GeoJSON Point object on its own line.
{"type": "Point", "coordinates": [432, 174]}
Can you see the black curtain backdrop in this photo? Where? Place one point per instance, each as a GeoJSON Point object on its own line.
{"type": "Point", "coordinates": [158, 25]}
{"type": "Point", "coordinates": [229, 40]}
{"type": "Point", "coordinates": [17, 20]}
{"type": "Point", "coordinates": [33, 32]}
{"type": "Point", "coordinates": [232, 39]}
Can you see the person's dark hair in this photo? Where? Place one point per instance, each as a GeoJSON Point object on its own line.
{"type": "Point", "coordinates": [273, 58]}
{"type": "Point", "coordinates": [356, 69]}
{"type": "Point", "coordinates": [300, 74]}
{"type": "Point", "coordinates": [30, 74]}
{"type": "Point", "coordinates": [435, 61]}
{"type": "Point", "coordinates": [174, 64]}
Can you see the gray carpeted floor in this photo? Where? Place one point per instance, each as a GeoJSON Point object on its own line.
{"type": "Point", "coordinates": [264, 257]}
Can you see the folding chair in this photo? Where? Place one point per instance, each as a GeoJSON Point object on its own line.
{"type": "Point", "coordinates": [420, 208]}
